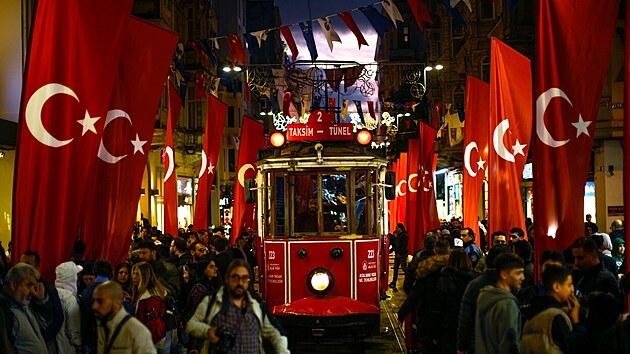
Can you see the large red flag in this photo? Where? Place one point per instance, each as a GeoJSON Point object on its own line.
{"type": "Point", "coordinates": [401, 190]}
{"type": "Point", "coordinates": [510, 126]}
{"type": "Point", "coordinates": [475, 148]}
{"type": "Point", "coordinates": [71, 69]}
{"type": "Point", "coordinates": [126, 140]}
{"type": "Point", "coordinates": [168, 157]}
{"type": "Point", "coordinates": [568, 95]}
{"type": "Point", "coordinates": [252, 139]}
{"type": "Point", "coordinates": [426, 191]}
{"type": "Point", "coordinates": [392, 205]}
{"type": "Point", "coordinates": [414, 176]}
{"type": "Point", "coordinates": [215, 122]}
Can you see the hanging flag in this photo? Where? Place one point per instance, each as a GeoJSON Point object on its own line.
{"type": "Point", "coordinates": [458, 19]}
{"type": "Point", "coordinates": [214, 85]}
{"type": "Point", "coordinates": [349, 21]}
{"type": "Point", "coordinates": [200, 90]}
{"type": "Point", "coordinates": [288, 37]}
{"type": "Point", "coordinates": [112, 200]}
{"type": "Point", "coordinates": [371, 109]}
{"type": "Point", "coordinates": [329, 32]}
{"type": "Point", "coordinates": [568, 95]}
{"type": "Point", "coordinates": [392, 11]}
{"type": "Point", "coordinates": [236, 50]}
{"type": "Point", "coordinates": [307, 32]}
{"type": "Point", "coordinates": [215, 123]}
{"type": "Point", "coordinates": [286, 102]}
{"type": "Point", "coordinates": [351, 75]}
{"type": "Point", "coordinates": [199, 53]}
{"type": "Point", "coordinates": [475, 149]}
{"type": "Point", "coordinates": [378, 21]}
{"type": "Point", "coordinates": [208, 50]}
{"type": "Point", "coordinates": [414, 214]}
{"type": "Point", "coordinates": [260, 36]}
{"type": "Point", "coordinates": [73, 59]}
{"type": "Point", "coordinates": [183, 79]}
{"type": "Point", "coordinates": [275, 106]}
{"type": "Point", "coordinates": [359, 110]}
{"type": "Point", "coordinates": [401, 190]}
{"type": "Point", "coordinates": [467, 2]}
{"type": "Point", "coordinates": [215, 43]}
{"type": "Point", "coordinates": [420, 12]}
{"type": "Point", "coordinates": [455, 127]}
{"type": "Point", "coordinates": [252, 139]}
{"type": "Point", "coordinates": [333, 78]}
{"type": "Point", "coordinates": [427, 206]}
{"type": "Point", "coordinates": [510, 126]}
{"type": "Point", "coordinates": [168, 158]}
{"type": "Point", "coordinates": [344, 109]}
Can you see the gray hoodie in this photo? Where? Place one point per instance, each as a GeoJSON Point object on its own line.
{"type": "Point", "coordinates": [498, 322]}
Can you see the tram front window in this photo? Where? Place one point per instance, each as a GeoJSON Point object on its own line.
{"type": "Point", "coordinates": [328, 207]}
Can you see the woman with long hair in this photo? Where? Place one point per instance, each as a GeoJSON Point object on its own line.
{"type": "Point", "coordinates": [122, 276]}
{"type": "Point", "coordinates": [148, 301]}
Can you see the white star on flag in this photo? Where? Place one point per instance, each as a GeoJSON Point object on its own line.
{"type": "Point", "coordinates": [88, 123]}
{"type": "Point", "coordinates": [137, 145]}
{"type": "Point", "coordinates": [518, 148]}
{"type": "Point", "coordinates": [210, 168]}
{"type": "Point", "coordinates": [480, 164]}
{"type": "Point", "coordinates": [581, 126]}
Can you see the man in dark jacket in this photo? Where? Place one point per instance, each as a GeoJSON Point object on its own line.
{"type": "Point", "coordinates": [472, 250]}
{"type": "Point", "coordinates": [428, 245]}
{"type": "Point", "coordinates": [589, 274]}
{"type": "Point", "coordinates": [165, 271]}
{"type": "Point", "coordinates": [468, 308]}
{"type": "Point", "coordinates": [400, 249]}
{"type": "Point", "coordinates": [527, 294]}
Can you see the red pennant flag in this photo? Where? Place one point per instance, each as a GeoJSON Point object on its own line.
{"type": "Point", "coordinates": [71, 70]}
{"type": "Point", "coordinates": [420, 12]}
{"type": "Point", "coordinates": [349, 21]}
{"type": "Point", "coordinates": [371, 109]}
{"type": "Point", "coordinates": [215, 123]}
{"type": "Point", "coordinates": [426, 190]}
{"type": "Point", "coordinates": [333, 77]}
{"type": "Point", "coordinates": [287, 98]}
{"type": "Point", "coordinates": [510, 129]}
{"type": "Point", "coordinates": [168, 157]}
{"type": "Point", "coordinates": [200, 90]}
{"type": "Point", "coordinates": [200, 54]}
{"type": "Point", "coordinates": [288, 37]}
{"type": "Point", "coordinates": [568, 95]}
{"type": "Point", "coordinates": [126, 140]}
{"type": "Point", "coordinates": [351, 75]}
{"type": "Point", "coordinates": [252, 139]}
{"type": "Point", "coordinates": [475, 149]}
{"type": "Point", "coordinates": [236, 50]}
{"type": "Point", "coordinates": [414, 222]}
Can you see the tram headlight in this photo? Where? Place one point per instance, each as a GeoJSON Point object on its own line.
{"type": "Point", "coordinates": [364, 137]}
{"type": "Point", "coordinates": [320, 281]}
{"type": "Point", "coordinates": [277, 139]}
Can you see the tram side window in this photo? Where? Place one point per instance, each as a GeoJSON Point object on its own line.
{"type": "Point", "coordinates": [305, 203]}
{"type": "Point", "coordinates": [280, 217]}
{"type": "Point", "coordinates": [360, 206]}
{"type": "Point", "coordinates": [335, 203]}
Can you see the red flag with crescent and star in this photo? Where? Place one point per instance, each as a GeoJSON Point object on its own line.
{"type": "Point", "coordinates": [399, 204]}
{"type": "Point", "coordinates": [252, 139]}
{"type": "Point", "coordinates": [414, 176]}
{"type": "Point", "coordinates": [510, 127]}
{"type": "Point", "coordinates": [168, 159]}
{"type": "Point", "coordinates": [126, 140]}
{"type": "Point", "coordinates": [475, 149]}
{"type": "Point", "coordinates": [568, 95]}
{"type": "Point", "coordinates": [236, 50]}
{"type": "Point", "coordinates": [215, 123]}
{"type": "Point", "coordinates": [70, 73]}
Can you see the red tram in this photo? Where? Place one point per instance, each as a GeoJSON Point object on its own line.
{"type": "Point", "coordinates": [322, 217]}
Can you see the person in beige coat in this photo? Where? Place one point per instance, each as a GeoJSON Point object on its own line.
{"type": "Point", "coordinates": [118, 332]}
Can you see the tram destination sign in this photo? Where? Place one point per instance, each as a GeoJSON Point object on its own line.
{"type": "Point", "coordinates": [320, 132]}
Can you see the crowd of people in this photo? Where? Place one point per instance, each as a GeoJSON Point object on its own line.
{"type": "Point", "coordinates": [462, 298]}
{"type": "Point", "coordinates": [189, 294]}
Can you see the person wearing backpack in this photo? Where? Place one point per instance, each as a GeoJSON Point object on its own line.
{"type": "Point", "coordinates": [149, 305]}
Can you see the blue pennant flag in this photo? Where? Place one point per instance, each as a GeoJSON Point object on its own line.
{"type": "Point", "coordinates": [183, 85]}
{"type": "Point", "coordinates": [359, 110]}
{"type": "Point", "coordinates": [307, 31]}
{"type": "Point", "coordinates": [252, 44]}
{"type": "Point", "coordinates": [460, 111]}
{"type": "Point", "coordinates": [378, 21]}
{"type": "Point", "coordinates": [458, 20]}
{"type": "Point", "coordinates": [205, 45]}
{"type": "Point", "coordinates": [275, 106]}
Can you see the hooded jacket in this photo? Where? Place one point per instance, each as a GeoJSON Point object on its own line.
{"type": "Point", "coordinates": [498, 322]}
{"type": "Point", "coordinates": [69, 337]}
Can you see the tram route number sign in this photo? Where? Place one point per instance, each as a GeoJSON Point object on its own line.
{"type": "Point", "coordinates": [320, 132]}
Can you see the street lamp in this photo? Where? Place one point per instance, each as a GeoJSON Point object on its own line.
{"type": "Point", "coordinates": [437, 67]}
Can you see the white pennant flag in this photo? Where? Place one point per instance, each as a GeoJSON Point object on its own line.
{"type": "Point", "coordinates": [260, 36]}
{"type": "Point", "coordinates": [329, 31]}
{"type": "Point", "coordinates": [393, 12]}
{"type": "Point", "coordinates": [214, 86]}
{"type": "Point", "coordinates": [467, 2]}
{"type": "Point", "coordinates": [216, 43]}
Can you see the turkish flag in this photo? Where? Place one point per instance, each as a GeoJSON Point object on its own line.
{"type": "Point", "coordinates": [414, 176]}
{"type": "Point", "coordinates": [399, 211]}
{"type": "Point", "coordinates": [168, 158]}
{"type": "Point", "coordinates": [475, 148]}
{"type": "Point", "coordinates": [236, 50]}
{"type": "Point", "coordinates": [72, 63]}
{"type": "Point", "coordinates": [568, 96]}
{"type": "Point", "coordinates": [126, 140]}
{"type": "Point", "coordinates": [392, 205]}
{"type": "Point", "coordinates": [252, 139]}
{"type": "Point", "coordinates": [420, 12]}
{"type": "Point", "coordinates": [510, 124]}
{"type": "Point", "coordinates": [215, 122]}
{"type": "Point", "coordinates": [426, 191]}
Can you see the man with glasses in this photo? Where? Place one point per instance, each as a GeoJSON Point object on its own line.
{"type": "Point", "coordinates": [236, 321]}
{"type": "Point", "coordinates": [198, 250]}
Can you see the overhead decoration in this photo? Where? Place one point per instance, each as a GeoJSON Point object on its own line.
{"type": "Point", "coordinates": [288, 37]}
{"type": "Point", "coordinates": [349, 21]}
{"type": "Point", "coordinates": [236, 50]}
{"type": "Point", "coordinates": [420, 12]}
{"type": "Point", "coordinates": [392, 11]}
{"type": "Point", "coordinates": [378, 21]}
{"type": "Point", "coordinates": [458, 19]}
{"type": "Point", "coordinates": [329, 32]}
{"type": "Point", "coordinates": [334, 77]}
{"type": "Point", "coordinates": [260, 36]}
{"type": "Point", "coordinates": [307, 32]}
